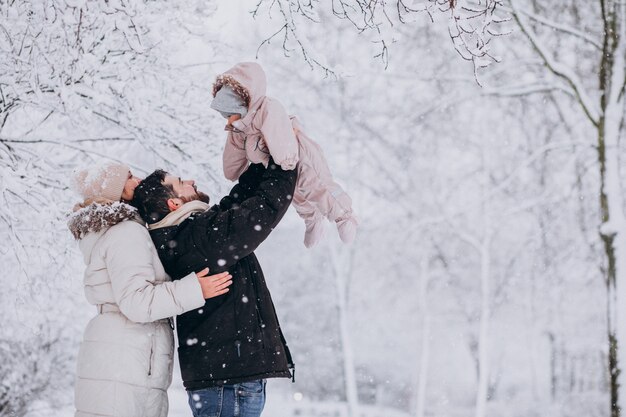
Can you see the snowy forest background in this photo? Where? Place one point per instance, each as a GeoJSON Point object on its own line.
{"type": "Point", "coordinates": [480, 141]}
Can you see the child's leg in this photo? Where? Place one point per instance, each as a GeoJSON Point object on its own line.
{"type": "Point", "coordinates": [328, 199]}
{"type": "Point", "coordinates": [313, 219]}
{"type": "Point", "coordinates": [340, 211]}
{"type": "Point", "coordinates": [317, 187]}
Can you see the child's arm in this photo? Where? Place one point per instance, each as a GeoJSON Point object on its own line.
{"type": "Point", "coordinates": [279, 135]}
{"type": "Point", "coordinates": [235, 161]}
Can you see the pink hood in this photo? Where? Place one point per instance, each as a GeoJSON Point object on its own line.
{"type": "Point", "coordinates": [248, 80]}
{"type": "Point", "coordinates": [267, 124]}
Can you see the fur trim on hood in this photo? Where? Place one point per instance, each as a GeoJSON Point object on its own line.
{"type": "Point", "coordinates": [230, 81]}
{"type": "Point", "coordinates": [98, 217]}
{"type": "Point", "coordinates": [247, 79]}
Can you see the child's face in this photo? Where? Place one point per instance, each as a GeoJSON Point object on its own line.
{"type": "Point", "coordinates": [233, 118]}
{"type": "Point", "coordinates": [229, 122]}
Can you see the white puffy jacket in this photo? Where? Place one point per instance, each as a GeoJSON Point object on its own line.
{"type": "Point", "coordinates": [125, 358]}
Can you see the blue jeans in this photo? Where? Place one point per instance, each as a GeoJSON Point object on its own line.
{"type": "Point", "coordinates": [245, 399]}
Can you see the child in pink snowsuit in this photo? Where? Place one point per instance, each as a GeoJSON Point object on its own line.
{"type": "Point", "coordinates": [259, 127]}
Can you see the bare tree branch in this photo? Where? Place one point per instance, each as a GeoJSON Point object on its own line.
{"type": "Point", "coordinates": [470, 27]}
{"type": "Point", "coordinates": [558, 26]}
{"type": "Point", "coordinates": [557, 68]}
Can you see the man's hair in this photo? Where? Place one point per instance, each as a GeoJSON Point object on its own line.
{"type": "Point", "coordinates": [151, 197]}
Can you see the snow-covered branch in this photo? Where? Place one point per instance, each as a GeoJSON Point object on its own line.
{"type": "Point", "coordinates": [289, 33]}
{"type": "Point", "coordinates": [472, 25]}
{"type": "Point", "coordinates": [516, 90]}
{"type": "Point", "coordinates": [498, 187]}
{"type": "Point", "coordinates": [558, 69]}
{"type": "Point", "coordinates": [526, 89]}
{"type": "Point", "coordinates": [557, 26]}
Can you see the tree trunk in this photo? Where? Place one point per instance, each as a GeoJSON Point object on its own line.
{"type": "Point", "coordinates": [613, 230]}
{"type": "Point", "coordinates": [341, 268]}
{"type": "Point", "coordinates": [553, 363]}
{"type": "Point", "coordinates": [422, 380]}
{"type": "Point", "coordinates": [483, 337]}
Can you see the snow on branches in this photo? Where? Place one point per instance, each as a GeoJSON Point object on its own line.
{"type": "Point", "coordinates": [47, 47]}
{"type": "Point", "coordinates": [471, 24]}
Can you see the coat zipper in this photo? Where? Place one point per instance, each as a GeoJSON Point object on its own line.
{"type": "Point", "coordinates": [258, 312]}
{"type": "Point", "coordinates": [236, 317]}
{"type": "Point", "coordinates": [238, 346]}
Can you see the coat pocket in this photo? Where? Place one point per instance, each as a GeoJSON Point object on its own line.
{"type": "Point", "coordinates": [251, 388]}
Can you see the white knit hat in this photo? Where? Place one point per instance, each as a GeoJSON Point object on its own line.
{"type": "Point", "coordinates": [106, 181]}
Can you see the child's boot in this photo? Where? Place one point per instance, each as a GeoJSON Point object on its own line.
{"type": "Point", "coordinates": [347, 228]}
{"type": "Point", "coordinates": [314, 231]}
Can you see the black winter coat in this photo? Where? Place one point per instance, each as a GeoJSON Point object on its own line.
{"type": "Point", "coordinates": [235, 337]}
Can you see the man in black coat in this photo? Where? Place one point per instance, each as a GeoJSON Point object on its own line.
{"type": "Point", "coordinates": [228, 347]}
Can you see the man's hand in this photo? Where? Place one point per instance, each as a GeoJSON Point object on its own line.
{"type": "Point", "coordinates": [214, 285]}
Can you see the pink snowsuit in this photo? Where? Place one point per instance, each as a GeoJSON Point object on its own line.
{"type": "Point", "coordinates": [267, 130]}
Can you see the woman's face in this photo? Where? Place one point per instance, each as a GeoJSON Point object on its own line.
{"type": "Point", "coordinates": [129, 188]}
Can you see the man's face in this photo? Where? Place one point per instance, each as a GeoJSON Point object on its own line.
{"type": "Point", "coordinates": [185, 190]}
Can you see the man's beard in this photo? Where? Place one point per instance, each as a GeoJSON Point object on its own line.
{"type": "Point", "coordinates": [200, 196]}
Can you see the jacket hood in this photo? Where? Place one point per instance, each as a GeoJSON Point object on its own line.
{"type": "Point", "coordinates": [90, 222]}
{"type": "Point", "coordinates": [248, 80]}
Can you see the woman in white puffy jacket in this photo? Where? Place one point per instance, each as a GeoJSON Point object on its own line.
{"type": "Point", "coordinates": [125, 358]}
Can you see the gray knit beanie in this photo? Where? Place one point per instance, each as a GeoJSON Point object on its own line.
{"type": "Point", "coordinates": [227, 102]}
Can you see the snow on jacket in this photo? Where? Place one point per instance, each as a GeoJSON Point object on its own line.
{"type": "Point", "coordinates": [125, 358]}
{"type": "Point", "coordinates": [235, 337]}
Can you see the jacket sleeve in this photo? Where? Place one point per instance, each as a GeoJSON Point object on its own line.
{"type": "Point", "coordinates": [245, 188]}
{"type": "Point", "coordinates": [278, 135]}
{"type": "Point", "coordinates": [232, 234]}
{"type": "Point", "coordinates": [128, 257]}
{"type": "Point", "coordinates": [234, 159]}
